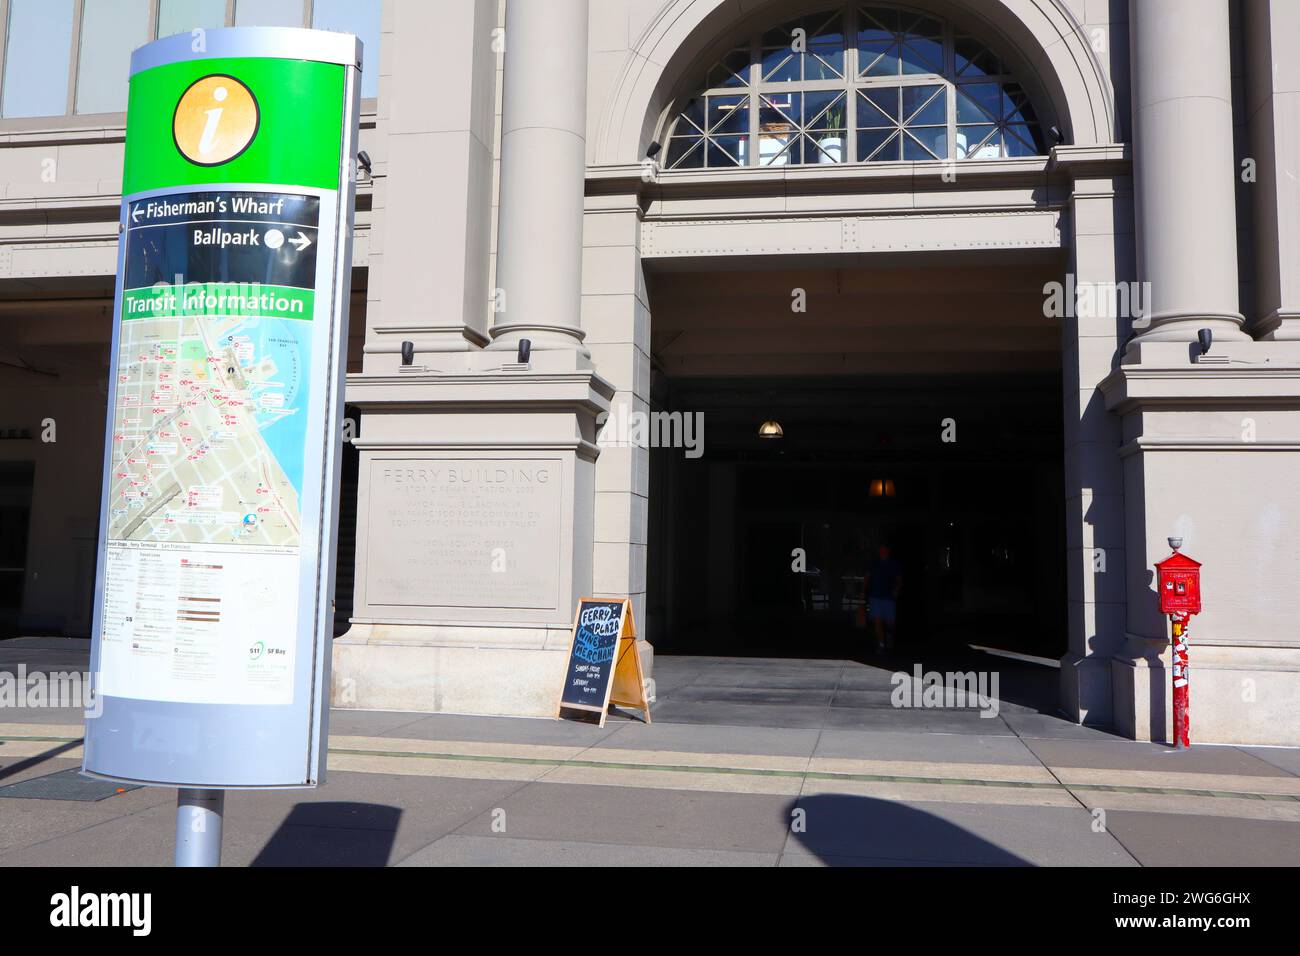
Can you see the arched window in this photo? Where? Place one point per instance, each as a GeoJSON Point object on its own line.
{"type": "Point", "coordinates": [855, 84]}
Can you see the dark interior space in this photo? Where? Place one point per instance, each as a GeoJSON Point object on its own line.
{"type": "Point", "coordinates": [16, 482]}
{"type": "Point", "coordinates": [976, 522]}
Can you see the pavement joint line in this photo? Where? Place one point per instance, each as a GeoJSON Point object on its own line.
{"type": "Point", "coordinates": [816, 774]}
{"type": "Point", "coordinates": [761, 772]}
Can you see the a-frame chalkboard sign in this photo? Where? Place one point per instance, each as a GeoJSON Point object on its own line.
{"type": "Point", "coordinates": [604, 667]}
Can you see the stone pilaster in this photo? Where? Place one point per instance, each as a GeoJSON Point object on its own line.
{"type": "Point", "coordinates": [1101, 207]}
{"type": "Point", "coordinates": [432, 181]}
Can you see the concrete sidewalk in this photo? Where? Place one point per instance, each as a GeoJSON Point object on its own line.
{"type": "Point", "coordinates": [944, 787]}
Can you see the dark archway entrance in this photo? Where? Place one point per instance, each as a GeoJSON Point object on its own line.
{"type": "Point", "coordinates": [921, 404]}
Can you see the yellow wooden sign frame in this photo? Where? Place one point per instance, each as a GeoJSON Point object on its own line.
{"type": "Point", "coordinates": [626, 686]}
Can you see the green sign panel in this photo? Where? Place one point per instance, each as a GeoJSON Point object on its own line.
{"type": "Point", "coordinates": [215, 582]}
{"type": "Point", "coordinates": [295, 119]}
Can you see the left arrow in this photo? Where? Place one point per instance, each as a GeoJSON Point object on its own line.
{"type": "Point", "coordinates": [135, 214]}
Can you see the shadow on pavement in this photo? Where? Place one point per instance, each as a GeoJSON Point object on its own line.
{"type": "Point", "coordinates": [333, 834]}
{"type": "Point", "coordinates": [845, 830]}
{"type": "Point", "coordinates": [21, 765]}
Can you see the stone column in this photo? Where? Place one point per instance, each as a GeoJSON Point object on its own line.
{"type": "Point", "coordinates": [1273, 112]}
{"type": "Point", "coordinates": [1185, 170]}
{"type": "Point", "coordinates": [543, 166]}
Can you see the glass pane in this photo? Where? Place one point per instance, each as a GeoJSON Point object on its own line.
{"type": "Point", "coordinates": [268, 13]}
{"type": "Point", "coordinates": [915, 149]}
{"type": "Point", "coordinates": [684, 152]}
{"type": "Point", "coordinates": [1021, 141]}
{"type": "Point", "coordinates": [1018, 107]}
{"type": "Point", "coordinates": [782, 36]}
{"type": "Point", "coordinates": [692, 118]}
{"type": "Point", "coordinates": [878, 23]}
{"type": "Point", "coordinates": [732, 71]}
{"type": "Point", "coordinates": [927, 27]}
{"type": "Point", "coordinates": [182, 16]}
{"type": "Point", "coordinates": [879, 59]}
{"type": "Point", "coordinates": [826, 148]}
{"type": "Point", "coordinates": [825, 30]}
{"type": "Point", "coordinates": [876, 145]}
{"type": "Point", "coordinates": [935, 138]}
{"type": "Point", "coordinates": [973, 142]}
{"type": "Point", "coordinates": [973, 58]}
{"type": "Point", "coordinates": [780, 65]}
{"type": "Point", "coordinates": [774, 149]}
{"type": "Point", "coordinates": [978, 103]}
{"type": "Point", "coordinates": [880, 108]}
{"type": "Point", "coordinates": [728, 113]}
{"type": "Point", "coordinates": [360, 18]}
{"type": "Point", "coordinates": [828, 65]}
{"type": "Point", "coordinates": [826, 43]}
{"type": "Point", "coordinates": [925, 105]}
{"type": "Point", "coordinates": [36, 58]}
{"type": "Point", "coordinates": [918, 57]}
{"type": "Point", "coordinates": [923, 47]}
{"type": "Point", "coordinates": [110, 30]}
{"type": "Point", "coordinates": [779, 111]}
{"type": "Point", "coordinates": [825, 110]}
{"type": "Point", "coordinates": [726, 151]}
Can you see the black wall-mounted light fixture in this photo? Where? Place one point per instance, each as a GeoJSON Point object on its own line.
{"type": "Point", "coordinates": [408, 352]}
{"type": "Point", "coordinates": [1206, 338]}
{"type": "Point", "coordinates": [653, 149]}
{"type": "Point", "coordinates": [525, 350]}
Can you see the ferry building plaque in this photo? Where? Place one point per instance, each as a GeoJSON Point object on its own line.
{"type": "Point", "coordinates": [466, 532]}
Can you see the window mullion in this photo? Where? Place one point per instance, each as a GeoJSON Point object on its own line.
{"type": "Point", "coordinates": [78, 13]}
{"type": "Point", "coordinates": [4, 44]}
{"type": "Point", "coordinates": [755, 80]}
{"type": "Point", "coordinates": [851, 82]}
{"type": "Point", "coordinates": [950, 81]}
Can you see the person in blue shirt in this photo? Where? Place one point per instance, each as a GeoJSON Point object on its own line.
{"type": "Point", "coordinates": [884, 581]}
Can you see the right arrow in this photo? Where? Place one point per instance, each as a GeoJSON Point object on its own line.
{"type": "Point", "coordinates": [301, 242]}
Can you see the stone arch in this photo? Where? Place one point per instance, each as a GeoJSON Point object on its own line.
{"type": "Point", "coordinates": [1042, 37]}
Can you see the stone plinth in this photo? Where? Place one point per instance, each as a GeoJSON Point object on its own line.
{"type": "Point", "coordinates": [474, 535]}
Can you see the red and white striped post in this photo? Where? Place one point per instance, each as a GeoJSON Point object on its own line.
{"type": "Point", "coordinates": [1182, 692]}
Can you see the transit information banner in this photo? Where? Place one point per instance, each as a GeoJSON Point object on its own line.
{"type": "Point", "coordinates": [215, 580]}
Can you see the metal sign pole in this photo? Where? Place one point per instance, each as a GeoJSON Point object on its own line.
{"type": "Point", "coordinates": [198, 827]}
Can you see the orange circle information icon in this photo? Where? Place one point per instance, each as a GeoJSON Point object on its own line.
{"type": "Point", "coordinates": [216, 119]}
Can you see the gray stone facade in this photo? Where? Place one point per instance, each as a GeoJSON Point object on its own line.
{"type": "Point", "coordinates": [512, 198]}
